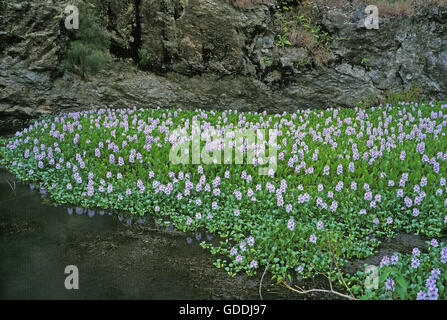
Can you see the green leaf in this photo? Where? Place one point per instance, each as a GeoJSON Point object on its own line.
{"type": "Point", "coordinates": [384, 273]}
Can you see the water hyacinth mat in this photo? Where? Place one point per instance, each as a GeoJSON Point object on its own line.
{"type": "Point", "coordinates": [344, 180]}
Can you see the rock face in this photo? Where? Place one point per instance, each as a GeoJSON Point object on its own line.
{"type": "Point", "coordinates": [211, 54]}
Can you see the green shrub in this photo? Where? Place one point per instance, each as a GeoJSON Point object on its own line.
{"type": "Point", "coordinates": [143, 57]}
{"type": "Point", "coordinates": [411, 95]}
{"type": "Point", "coordinates": [296, 26]}
{"type": "Point", "coordinates": [88, 52]}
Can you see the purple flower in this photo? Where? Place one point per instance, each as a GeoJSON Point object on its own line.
{"type": "Point", "coordinates": [416, 252]}
{"type": "Point", "coordinates": [351, 167]}
{"type": "Point", "coordinates": [415, 262]}
{"type": "Point", "coordinates": [389, 284]}
{"type": "Point", "coordinates": [402, 155]}
{"type": "Point", "coordinates": [421, 295]}
{"type": "Point", "coordinates": [385, 261]}
{"type": "Point", "coordinates": [415, 212]}
{"type": "Point", "coordinates": [408, 202]}
{"type": "Point", "coordinates": [280, 200]}
{"type": "Point", "coordinates": [334, 206]}
{"type": "Point", "coordinates": [313, 238]}
{"type": "Point", "coordinates": [432, 293]}
{"type": "Point", "coordinates": [435, 273]}
{"type": "Point", "coordinates": [251, 241]}
{"type": "Point", "coordinates": [420, 147]}
{"type": "Point", "coordinates": [431, 282]}
{"type": "Point", "coordinates": [444, 255]}
{"type": "Point", "coordinates": [416, 188]}
{"type": "Point", "coordinates": [237, 194]}
{"type": "Point", "coordinates": [320, 225]}
{"type": "Point", "coordinates": [339, 186]}
{"type": "Point", "coordinates": [394, 259]}
{"type": "Point", "coordinates": [434, 243]}
{"type": "Point", "coordinates": [253, 264]}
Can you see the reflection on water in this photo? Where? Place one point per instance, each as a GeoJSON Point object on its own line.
{"type": "Point", "coordinates": [141, 221]}
{"type": "Point", "coordinates": [118, 257]}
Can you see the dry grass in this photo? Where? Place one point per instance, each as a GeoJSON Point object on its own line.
{"type": "Point", "coordinates": [320, 56]}
{"type": "Point", "coordinates": [387, 8]}
{"type": "Point", "coordinates": [394, 8]}
{"type": "Point", "coordinates": [334, 3]}
{"type": "Point", "coordinates": [302, 38]}
{"type": "Point", "coordinates": [404, 7]}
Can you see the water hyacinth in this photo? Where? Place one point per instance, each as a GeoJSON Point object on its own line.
{"type": "Point", "coordinates": [355, 175]}
{"type": "Point", "coordinates": [389, 284]}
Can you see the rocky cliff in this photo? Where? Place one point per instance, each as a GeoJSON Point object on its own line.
{"type": "Point", "coordinates": [213, 54]}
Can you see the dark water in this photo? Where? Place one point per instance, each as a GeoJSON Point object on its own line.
{"type": "Point", "coordinates": [115, 260]}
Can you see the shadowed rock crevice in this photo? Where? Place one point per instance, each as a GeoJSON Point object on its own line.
{"type": "Point", "coordinates": [127, 45]}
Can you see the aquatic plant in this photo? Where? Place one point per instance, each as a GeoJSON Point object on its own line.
{"type": "Point", "coordinates": [345, 176]}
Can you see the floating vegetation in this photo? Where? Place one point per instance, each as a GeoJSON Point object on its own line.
{"type": "Point", "coordinates": [343, 179]}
